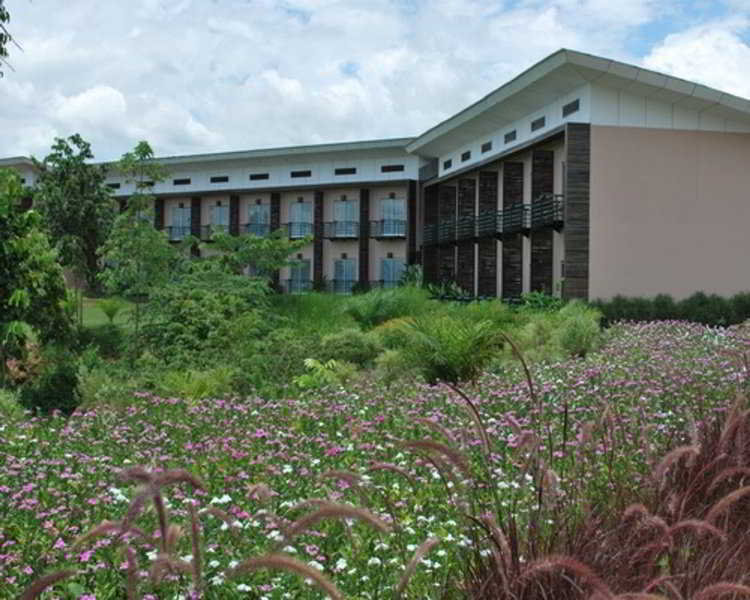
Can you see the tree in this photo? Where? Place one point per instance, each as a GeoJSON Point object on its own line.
{"type": "Point", "coordinates": [76, 204]}
{"type": "Point", "coordinates": [5, 37]}
{"type": "Point", "coordinates": [136, 256]}
{"type": "Point", "coordinates": [32, 293]}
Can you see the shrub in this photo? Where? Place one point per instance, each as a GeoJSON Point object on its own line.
{"type": "Point", "coordinates": [379, 306]}
{"type": "Point", "coordinates": [350, 345]}
{"type": "Point", "coordinates": [391, 366]}
{"type": "Point", "coordinates": [741, 307]}
{"type": "Point", "coordinates": [102, 386]}
{"type": "Point", "coordinates": [541, 301]}
{"type": "Point", "coordinates": [10, 410]}
{"type": "Point", "coordinates": [56, 386]}
{"type": "Point", "coordinates": [108, 339]}
{"type": "Point", "coordinates": [196, 384]}
{"type": "Point", "coordinates": [111, 307]}
{"type": "Point", "coordinates": [393, 334]}
{"type": "Point", "coordinates": [450, 349]}
{"type": "Point", "coordinates": [321, 374]}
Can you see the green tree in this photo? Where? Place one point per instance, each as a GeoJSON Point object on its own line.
{"type": "Point", "coordinates": [137, 257]}
{"type": "Point", "coordinates": [5, 37]}
{"type": "Point", "coordinates": [77, 206]}
{"type": "Point", "coordinates": [33, 291]}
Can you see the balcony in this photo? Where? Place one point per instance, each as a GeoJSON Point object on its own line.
{"type": "Point", "coordinates": [297, 286]}
{"type": "Point", "coordinates": [547, 211]}
{"type": "Point", "coordinates": [466, 228]}
{"type": "Point", "coordinates": [257, 229]}
{"type": "Point", "coordinates": [341, 286]}
{"type": "Point", "coordinates": [388, 229]}
{"type": "Point", "coordinates": [177, 233]}
{"type": "Point", "coordinates": [341, 230]}
{"type": "Point", "coordinates": [297, 229]}
{"type": "Point", "coordinates": [515, 219]}
{"type": "Point", "coordinates": [208, 231]}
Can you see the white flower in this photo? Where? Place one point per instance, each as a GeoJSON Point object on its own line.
{"type": "Point", "coordinates": [233, 564]}
{"type": "Point", "coordinates": [287, 469]}
{"type": "Point", "coordinates": [290, 549]}
{"type": "Point", "coordinates": [374, 562]}
{"type": "Point", "coordinates": [275, 535]}
{"type": "Point", "coordinates": [217, 580]}
{"type": "Point", "coordinates": [213, 563]}
{"type": "Point", "coordinates": [316, 565]}
{"type": "Point", "coordinates": [341, 564]}
{"type": "Point", "coordinates": [411, 547]}
{"type": "Point", "coordinates": [187, 558]}
{"type": "Point", "coordinates": [222, 500]}
{"type": "Point", "coordinates": [151, 555]}
{"type": "Point", "coordinates": [243, 587]}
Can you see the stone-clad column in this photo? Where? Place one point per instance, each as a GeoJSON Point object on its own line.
{"type": "Point", "coordinates": [487, 263]}
{"type": "Point", "coordinates": [512, 244]}
{"type": "Point", "coordinates": [576, 211]}
{"type": "Point", "coordinates": [364, 238]}
{"type": "Point", "coordinates": [542, 183]}
{"type": "Point", "coordinates": [318, 240]}
{"type": "Point", "coordinates": [467, 189]}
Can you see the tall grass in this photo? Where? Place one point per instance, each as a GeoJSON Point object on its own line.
{"type": "Point", "coordinates": [314, 313]}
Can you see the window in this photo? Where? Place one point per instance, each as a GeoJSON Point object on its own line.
{"type": "Point", "coordinates": [23, 181]}
{"type": "Point", "coordinates": [346, 171]}
{"type": "Point", "coordinates": [184, 181]}
{"type": "Point", "coordinates": [486, 147]}
{"type": "Point", "coordinates": [391, 271]}
{"type": "Point", "coordinates": [180, 222]}
{"type": "Point", "coordinates": [147, 184]}
{"type": "Point", "coordinates": [299, 276]}
{"type": "Point", "coordinates": [344, 276]}
{"type": "Point", "coordinates": [258, 219]}
{"type": "Point", "coordinates": [391, 168]}
{"type": "Point", "coordinates": [538, 123]}
{"type": "Point", "coordinates": [258, 176]}
{"type": "Point", "coordinates": [393, 217]}
{"type": "Point", "coordinates": [346, 218]}
{"type": "Point", "coordinates": [510, 137]}
{"type": "Point", "coordinates": [447, 164]}
{"type": "Point", "coordinates": [220, 216]}
{"type": "Point", "coordinates": [300, 174]}
{"type": "Point", "coordinates": [300, 223]}
{"type": "Point", "coordinates": [220, 179]}
{"type": "Point", "coordinates": [466, 156]}
{"type": "Point", "coordinates": [571, 107]}
{"type": "Point", "coordinates": [111, 186]}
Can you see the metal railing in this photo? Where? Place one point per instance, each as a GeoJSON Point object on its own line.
{"type": "Point", "coordinates": [258, 229]}
{"type": "Point", "coordinates": [297, 286]}
{"type": "Point", "coordinates": [388, 228]}
{"type": "Point", "coordinates": [547, 211]}
{"type": "Point", "coordinates": [175, 233]}
{"type": "Point", "coordinates": [337, 230]}
{"type": "Point", "coordinates": [298, 229]}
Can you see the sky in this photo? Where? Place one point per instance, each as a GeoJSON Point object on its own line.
{"type": "Point", "coordinates": [193, 76]}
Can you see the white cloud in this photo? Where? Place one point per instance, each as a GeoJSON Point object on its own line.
{"type": "Point", "coordinates": [714, 54]}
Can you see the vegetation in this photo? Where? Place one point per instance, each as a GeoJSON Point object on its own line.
{"type": "Point", "coordinates": [78, 210]}
{"type": "Point", "coordinates": [5, 37]}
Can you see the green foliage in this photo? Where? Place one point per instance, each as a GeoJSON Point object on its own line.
{"type": "Point", "coordinates": [451, 349]}
{"type": "Point", "coordinates": [259, 255]}
{"type": "Point", "coordinates": [350, 345]}
{"type": "Point", "coordinates": [711, 309]}
{"type": "Point", "coordinates": [321, 374]}
{"type": "Point", "coordinates": [10, 409]}
{"type": "Point", "coordinates": [379, 306]}
{"type": "Point", "coordinates": [76, 204]}
{"type": "Point", "coordinates": [56, 386]}
{"type": "Point", "coordinates": [108, 339]}
{"type": "Point", "coordinates": [541, 301]}
{"type": "Point", "coordinates": [32, 288]}
{"type": "Point", "coordinates": [5, 37]}
{"type": "Point", "coordinates": [313, 312]}
{"type": "Point", "coordinates": [579, 333]}
{"type": "Point", "coordinates": [195, 384]}
{"type": "Point", "coordinates": [393, 334]}
{"type": "Point", "coordinates": [392, 366]}
{"type": "Point", "coordinates": [111, 307]}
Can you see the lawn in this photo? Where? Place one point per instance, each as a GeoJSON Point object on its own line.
{"type": "Point", "coordinates": [598, 421]}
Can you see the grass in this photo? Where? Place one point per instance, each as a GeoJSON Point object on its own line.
{"type": "Point", "coordinates": [93, 316]}
{"type": "Point", "coordinates": [265, 463]}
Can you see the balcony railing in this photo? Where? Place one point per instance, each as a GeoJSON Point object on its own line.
{"type": "Point", "coordinates": [388, 228]}
{"type": "Point", "coordinates": [546, 211]}
{"type": "Point", "coordinates": [175, 233]}
{"type": "Point", "coordinates": [209, 230]}
{"type": "Point", "coordinates": [297, 286]}
{"type": "Point", "coordinates": [298, 229]}
{"type": "Point", "coordinates": [338, 230]}
{"type": "Point", "coordinates": [259, 229]}
{"type": "Point", "coordinates": [342, 286]}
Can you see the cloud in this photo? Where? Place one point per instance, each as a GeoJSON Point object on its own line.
{"type": "Point", "coordinates": [714, 54]}
{"type": "Point", "coordinates": [197, 76]}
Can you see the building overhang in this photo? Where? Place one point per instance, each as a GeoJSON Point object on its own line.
{"type": "Point", "coordinates": [559, 74]}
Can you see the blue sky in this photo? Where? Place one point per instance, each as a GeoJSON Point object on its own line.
{"type": "Point", "coordinates": [199, 76]}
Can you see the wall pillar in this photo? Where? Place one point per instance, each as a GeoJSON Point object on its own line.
{"type": "Point", "coordinates": [318, 240]}
{"type": "Point", "coordinates": [467, 190]}
{"type": "Point", "coordinates": [364, 239]}
{"type": "Point", "coordinates": [576, 210]}
{"type": "Point", "coordinates": [542, 182]}
{"type": "Point", "coordinates": [512, 244]}
{"type": "Point", "coordinates": [487, 246]}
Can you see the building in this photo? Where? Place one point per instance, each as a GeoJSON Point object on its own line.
{"type": "Point", "coordinates": [583, 176]}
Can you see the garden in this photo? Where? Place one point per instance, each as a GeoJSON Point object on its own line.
{"type": "Point", "coordinates": [182, 430]}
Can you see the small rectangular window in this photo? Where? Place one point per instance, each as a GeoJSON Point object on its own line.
{"type": "Point", "coordinates": [486, 147]}
{"type": "Point", "coordinates": [447, 164]}
{"type": "Point", "coordinates": [300, 174]}
{"type": "Point", "coordinates": [571, 107]}
{"type": "Point", "coordinates": [113, 186]}
{"type": "Point", "coordinates": [148, 184]}
{"type": "Point", "coordinates": [258, 176]}
{"type": "Point", "coordinates": [346, 171]}
{"type": "Point", "coordinates": [23, 181]}
{"type": "Point", "coordinates": [466, 156]}
{"type": "Point", "coordinates": [538, 123]}
{"type": "Point", "coordinates": [220, 179]}
{"type": "Point", "coordinates": [391, 168]}
{"type": "Point", "coordinates": [510, 137]}
{"type": "Point", "coordinates": [185, 181]}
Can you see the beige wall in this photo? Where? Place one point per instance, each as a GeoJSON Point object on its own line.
{"type": "Point", "coordinates": [670, 212]}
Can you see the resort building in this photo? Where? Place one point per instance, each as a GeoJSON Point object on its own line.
{"type": "Point", "coordinates": [583, 177]}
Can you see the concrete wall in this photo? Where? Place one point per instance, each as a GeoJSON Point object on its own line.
{"type": "Point", "coordinates": [670, 212]}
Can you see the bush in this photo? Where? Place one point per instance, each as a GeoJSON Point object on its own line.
{"type": "Point", "coordinates": [321, 374]}
{"type": "Point", "coordinates": [741, 307]}
{"type": "Point", "coordinates": [541, 301]}
{"type": "Point", "coordinates": [10, 410]}
{"type": "Point", "coordinates": [56, 386]}
{"type": "Point", "coordinates": [379, 306]}
{"type": "Point", "coordinates": [108, 339]}
{"type": "Point", "coordinates": [708, 310]}
{"type": "Point", "coordinates": [392, 366]}
{"type": "Point", "coordinates": [102, 385]}
{"type": "Point", "coordinates": [393, 334]}
{"type": "Point", "coordinates": [579, 332]}
{"type": "Point", "coordinates": [451, 349]}
{"type": "Point", "coordinates": [194, 384]}
{"type": "Point", "coordinates": [111, 307]}
{"type": "Point", "coordinates": [350, 345]}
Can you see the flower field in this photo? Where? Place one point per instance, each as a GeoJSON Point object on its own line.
{"type": "Point", "coordinates": [595, 423]}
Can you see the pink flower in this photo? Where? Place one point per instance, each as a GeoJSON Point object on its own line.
{"type": "Point", "coordinates": [59, 544]}
{"type": "Point", "coordinates": [85, 556]}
